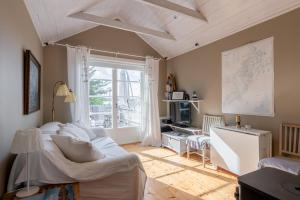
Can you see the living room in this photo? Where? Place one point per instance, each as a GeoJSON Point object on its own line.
{"type": "Point", "coordinates": [195, 99]}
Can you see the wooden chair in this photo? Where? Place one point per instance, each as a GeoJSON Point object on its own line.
{"type": "Point", "coordinates": [200, 143]}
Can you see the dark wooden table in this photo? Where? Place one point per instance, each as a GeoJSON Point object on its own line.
{"type": "Point", "coordinates": [269, 184]}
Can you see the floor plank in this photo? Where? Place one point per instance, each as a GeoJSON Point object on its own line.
{"type": "Point", "coordinates": [171, 176]}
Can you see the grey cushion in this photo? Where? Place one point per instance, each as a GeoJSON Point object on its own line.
{"type": "Point", "coordinates": [199, 142]}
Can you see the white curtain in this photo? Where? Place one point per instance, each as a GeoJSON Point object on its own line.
{"type": "Point", "coordinates": [78, 82]}
{"type": "Point", "coordinates": [151, 135]}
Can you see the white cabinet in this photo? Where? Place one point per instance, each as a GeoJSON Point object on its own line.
{"type": "Point", "coordinates": [239, 150]}
{"type": "Point", "coordinates": [175, 141]}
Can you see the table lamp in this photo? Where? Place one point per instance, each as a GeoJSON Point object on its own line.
{"type": "Point", "coordinates": [60, 88]}
{"type": "Point", "coordinates": [26, 141]}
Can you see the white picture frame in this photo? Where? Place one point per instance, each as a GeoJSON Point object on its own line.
{"type": "Point", "coordinates": [248, 79]}
{"type": "Point", "coordinates": [177, 95]}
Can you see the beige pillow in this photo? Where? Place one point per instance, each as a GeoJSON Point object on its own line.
{"type": "Point", "coordinates": [74, 131]}
{"type": "Point", "coordinates": [77, 150]}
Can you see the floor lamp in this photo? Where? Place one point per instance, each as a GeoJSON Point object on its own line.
{"type": "Point", "coordinates": [70, 98]}
{"type": "Point", "coordinates": [60, 88]}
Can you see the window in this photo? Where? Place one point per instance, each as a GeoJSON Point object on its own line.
{"type": "Point", "coordinates": [115, 93]}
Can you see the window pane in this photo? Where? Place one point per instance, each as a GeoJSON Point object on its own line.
{"type": "Point", "coordinates": [103, 120]}
{"type": "Point", "coordinates": [129, 75]}
{"type": "Point", "coordinates": [129, 89]}
{"type": "Point", "coordinates": [129, 104]}
{"type": "Point", "coordinates": [129, 112]}
{"type": "Point", "coordinates": [100, 96]}
{"type": "Point", "coordinates": [129, 98]}
{"type": "Point", "coordinates": [100, 73]}
{"type": "Point", "coordinates": [100, 87]}
{"type": "Point", "coordinates": [100, 104]}
{"type": "Point", "coordinates": [128, 119]}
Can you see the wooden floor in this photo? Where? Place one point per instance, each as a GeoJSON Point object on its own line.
{"type": "Point", "coordinates": [171, 176]}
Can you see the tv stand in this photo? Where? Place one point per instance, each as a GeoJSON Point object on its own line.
{"type": "Point", "coordinates": [188, 129]}
{"type": "Point", "coordinates": [180, 125]}
{"type": "Point", "coordinates": [176, 139]}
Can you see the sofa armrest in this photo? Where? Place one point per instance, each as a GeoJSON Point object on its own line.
{"type": "Point", "coordinates": [99, 132]}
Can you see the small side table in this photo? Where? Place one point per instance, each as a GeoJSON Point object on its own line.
{"type": "Point", "coordinates": [63, 191]}
{"type": "Point", "coordinates": [269, 184]}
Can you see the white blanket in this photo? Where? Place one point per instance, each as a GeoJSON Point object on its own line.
{"type": "Point", "coordinates": [50, 165]}
{"type": "Point", "coordinates": [282, 163]}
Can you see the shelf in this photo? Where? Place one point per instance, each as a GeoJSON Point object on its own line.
{"type": "Point", "coordinates": [191, 101]}
{"type": "Point", "coordinates": [195, 103]}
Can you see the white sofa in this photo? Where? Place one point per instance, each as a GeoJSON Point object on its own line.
{"type": "Point", "coordinates": [120, 175]}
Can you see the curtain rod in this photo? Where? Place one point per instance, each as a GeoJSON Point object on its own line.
{"type": "Point", "coordinates": [102, 51]}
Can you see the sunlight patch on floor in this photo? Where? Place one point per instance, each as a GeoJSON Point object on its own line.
{"type": "Point", "coordinates": [183, 161]}
{"type": "Point", "coordinates": [157, 168]}
{"type": "Point", "coordinates": [224, 192]}
{"type": "Point", "coordinates": [144, 158]}
{"type": "Point", "coordinates": [220, 174]}
{"type": "Point", "coordinates": [192, 182]}
{"type": "Point", "coordinates": [158, 152]}
{"type": "Point", "coordinates": [171, 176]}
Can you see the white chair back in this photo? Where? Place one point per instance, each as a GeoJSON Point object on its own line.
{"type": "Point", "coordinates": [289, 139]}
{"type": "Point", "coordinates": [211, 121]}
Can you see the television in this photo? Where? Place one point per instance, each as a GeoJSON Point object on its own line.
{"type": "Point", "coordinates": [180, 113]}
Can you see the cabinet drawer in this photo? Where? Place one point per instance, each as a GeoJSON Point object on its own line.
{"type": "Point", "coordinates": [165, 140]}
{"type": "Point", "coordinates": [175, 144]}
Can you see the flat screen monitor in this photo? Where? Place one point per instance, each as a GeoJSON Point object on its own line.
{"type": "Point", "coordinates": [180, 112]}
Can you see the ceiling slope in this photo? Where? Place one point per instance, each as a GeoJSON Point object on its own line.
{"type": "Point", "coordinates": [217, 19]}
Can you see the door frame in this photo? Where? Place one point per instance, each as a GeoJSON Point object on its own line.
{"type": "Point", "coordinates": [122, 135]}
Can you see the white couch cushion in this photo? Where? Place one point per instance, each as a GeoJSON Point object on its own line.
{"type": "Point", "coordinates": [77, 150]}
{"type": "Point", "coordinates": [74, 131]}
{"type": "Point", "coordinates": [99, 132]}
{"type": "Point", "coordinates": [282, 163]}
{"type": "Point", "coordinates": [90, 133]}
{"type": "Point", "coordinates": [50, 128]}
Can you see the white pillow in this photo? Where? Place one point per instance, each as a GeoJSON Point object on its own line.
{"type": "Point", "coordinates": [82, 126]}
{"type": "Point", "coordinates": [50, 128]}
{"type": "Point", "coordinates": [75, 131]}
{"type": "Point", "coordinates": [77, 150]}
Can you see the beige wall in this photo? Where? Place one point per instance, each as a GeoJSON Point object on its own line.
{"type": "Point", "coordinates": [17, 33]}
{"type": "Point", "coordinates": [55, 60]}
{"type": "Point", "coordinates": [200, 70]}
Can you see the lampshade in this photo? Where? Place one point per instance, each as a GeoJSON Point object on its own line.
{"type": "Point", "coordinates": [62, 90]}
{"type": "Point", "coordinates": [70, 98]}
{"type": "Point", "coordinates": [26, 141]}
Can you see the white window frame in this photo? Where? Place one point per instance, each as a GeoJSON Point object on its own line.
{"type": "Point", "coordinates": [121, 63]}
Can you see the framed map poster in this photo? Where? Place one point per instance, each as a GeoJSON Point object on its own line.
{"type": "Point", "coordinates": [248, 79]}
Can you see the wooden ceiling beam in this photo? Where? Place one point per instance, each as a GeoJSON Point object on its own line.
{"type": "Point", "coordinates": [120, 25]}
{"type": "Point", "coordinates": [175, 7]}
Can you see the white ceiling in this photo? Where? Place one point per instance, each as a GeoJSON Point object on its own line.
{"type": "Point", "coordinates": [224, 17]}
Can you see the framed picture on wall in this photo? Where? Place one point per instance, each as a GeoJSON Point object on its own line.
{"type": "Point", "coordinates": [32, 83]}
